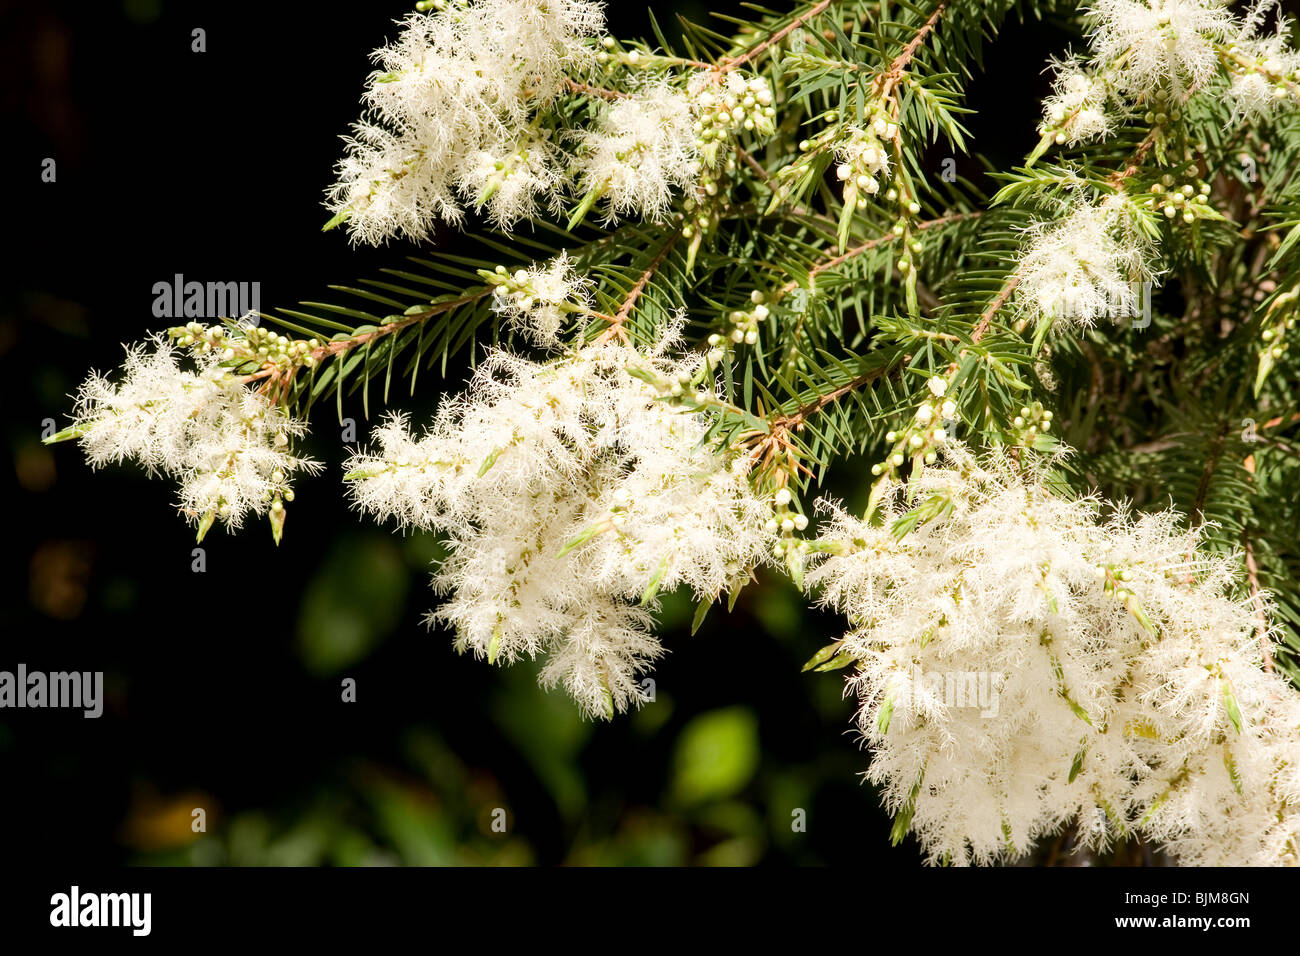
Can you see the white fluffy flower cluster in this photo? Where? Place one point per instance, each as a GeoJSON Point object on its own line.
{"type": "Point", "coordinates": [453, 102]}
{"type": "Point", "coordinates": [1083, 266]}
{"type": "Point", "coordinates": [1262, 65]}
{"type": "Point", "coordinates": [534, 301]}
{"type": "Point", "coordinates": [1023, 665]}
{"type": "Point", "coordinates": [1150, 43]}
{"type": "Point", "coordinates": [640, 153]}
{"type": "Point", "coordinates": [569, 493]}
{"type": "Point", "coordinates": [1145, 54]}
{"type": "Point", "coordinates": [226, 444]}
{"type": "Point", "coordinates": [1077, 109]}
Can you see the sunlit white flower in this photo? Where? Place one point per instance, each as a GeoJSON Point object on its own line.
{"type": "Point", "coordinates": [569, 492]}
{"type": "Point", "coordinates": [1076, 111]}
{"type": "Point", "coordinates": [535, 301]}
{"type": "Point", "coordinates": [1145, 44]}
{"type": "Point", "coordinates": [640, 153]}
{"type": "Point", "coordinates": [1262, 65]}
{"type": "Point", "coordinates": [447, 103]}
{"type": "Point", "coordinates": [226, 444]}
{"type": "Point", "coordinates": [1023, 664]}
{"type": "Point", "coordinates": [1083, 266]}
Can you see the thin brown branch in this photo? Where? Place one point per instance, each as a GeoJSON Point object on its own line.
{"type": "Point", "coordinates": [987, 318]}
{"type": "Point", "coordinates": [278, 379]}
{"type": "Point", "coordinates": [735, 62]}
{"type": "Point", "coordinates": [615, 327]}
{"type": "Point", "coordinates": [601, 91]}
{"type": "Point", "coordinates": [889, 79]}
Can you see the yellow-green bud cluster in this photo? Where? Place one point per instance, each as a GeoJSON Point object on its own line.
{"type": "Point", "coordinates": [1114, 578]}
{"type": "Point", "coordinates": [1189, 200]}
{"type": "Point", "coordinates": [268, 346]}
{"type": "Point", "coordinates": [1163, 111]}
{"type": "Point", "coordinates": [1280, 320]}
{"type": "Point", "coordinates": [249, 344]}
{"type": "Point", "coordinates": [723, 111]}
{"type": "Point", "coordinates": [1033, 420]}
{"type": "Point", "coordinates": [704, 207]}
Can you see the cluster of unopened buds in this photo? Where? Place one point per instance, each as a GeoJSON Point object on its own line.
{"type": "Point", "coordinates": [1189, 199]}
{"type": "Point", "coordinates": [200, 337]}
{"type": "Point", "coordinates": [924, 434]}
{"type": "Point", "coordinates": [722, 110]}
{"type": "Point", "coordinates": [1162, 111]}
{"type": "Point", "coordinates": [249, 344]}
{"type": "Point", "coordinates": [611, 56]}
{"type": "Point", "coordinates": [744, 323]}
{"type": "Point", "coordinates": [269, 347]}
{"type": "Point", "coordinates": [1114, 578]}
{"type": "Point", "coordinates": [515, 286]}
{"type": "Point", "coordinates": [1280, 320]}
{"type": "Point", "coordinates": [1033, 420]}
{"type": "Point", "coordinates": [786, 522]}
{"type": "Point", "coordinates": [908, 210]}
{"type": "Point", "coordinates": [712, 192]}
{"type": "Point", "coordinates": [688, 387]}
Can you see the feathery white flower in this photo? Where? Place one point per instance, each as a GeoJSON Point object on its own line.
{"type": "Point", "coordinates": [1083, 266]}
{"type": "Point", "coordinates": [1076, 110]}
{"type": "Point", "coordinates": [534, 301]}
{"type": "Point", "coordinates": [640, 152]}
{"type": "Point", "coordinates": [1148, 43]}
{"type": "Point", "coordinates": [512, 181]}
{"type": "Point", "coordinates": [1024, 665]}
{"type": "Point", "coordinates": [569, 492]}
{"type": "Point", "coordinates": [226, 444]}
{"type": "Point", "coordinates": [456, 85]}
{"type": "Point", "coordinates": [1257, 87]}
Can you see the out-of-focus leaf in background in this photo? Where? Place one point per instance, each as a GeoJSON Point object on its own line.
{"type": "Point", "coordinates": [352, 603]}
{"type": "Point", "coordinates": [717, 754]}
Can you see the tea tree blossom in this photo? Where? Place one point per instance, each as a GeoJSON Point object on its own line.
{"type": "Point", "coordinates": [641, 153]}
{"type": "Point", "coordinates": [1151, 43]}
{"type": "Point", "coordinates": [1262, 64]}
{"type": "Point", "coordinates": [446, 110]}
{"type": "Point", "coordinates": [1024, 660]}
{"type": "Point", "coordinates": [863, 160]}
{"type": "Point", "coordinates": [224, 442]}
{"type": "Point", "coordinates": [570, 493]}
{"type": "Point", "coordinates": [1083, 266]}
{"type": "Point", "coordinates": [1129, 689]}
{"type": "Point", "coordinates": [1077, 109]}
{"type": "Point", "coordinates": [535, 301]}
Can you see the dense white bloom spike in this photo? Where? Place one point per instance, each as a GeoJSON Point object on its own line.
{"type": "Point", "coordinates": [569, 492]}
{"type": "Point", "coordinates": [448, 101]}
{"type": "Point", "coordinates": [1077, 109]}
{"type": "Point", "coordinates": [640, 153]}
{"type": "Point", "coordinates": [227, 444]}
{"type": "Point", "coordinates": [1023, 665]}
{"type": "Point", "coordinates": [1082, 267]}
{"type": "Point", "coordinates": [1149, 43]}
